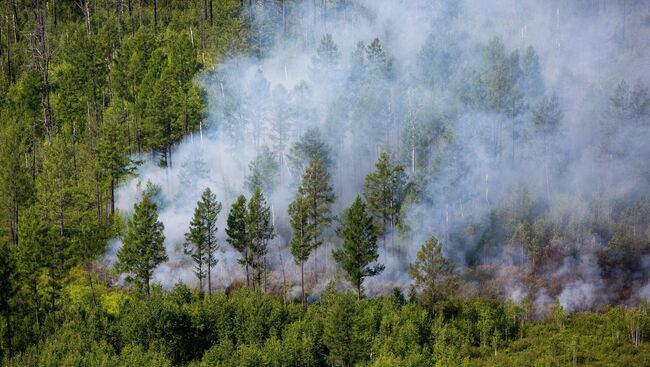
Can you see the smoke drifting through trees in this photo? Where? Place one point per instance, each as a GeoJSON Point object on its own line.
{"type": "Point", "coordinates": [525, 152]}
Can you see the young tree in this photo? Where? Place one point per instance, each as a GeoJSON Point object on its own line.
{"type": "Point", "coordinates": [384, 191]}
{"type": "Point", "coordinates": [317, 191]}
{"type": "Point", "coordinates": [143, 246]}
{"type": "Point", "coordinates": [237, 232]}
{"type": "Point", "coordinates": [302, 234]}
{"type": "Point", "coordinates": [260, 231]}
{"type": "Point", "coordinates": [433, 274]}
{"type": "Point", "coordinates": [264, 172]}
{"type": "Point", "coordinates": [201, 240]}
{"type": "Point", "coordinates": [359, 245]}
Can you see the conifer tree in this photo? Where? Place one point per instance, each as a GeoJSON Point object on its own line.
{"type": "Point", "coordinates": [433, 274]}
{"type": "Point", "coordinates": [237, 232]}
{"type": "Point", "coordinates": [30, 255]}
{"type": "Point", "coordinates": [260, 230]}
{"type": "Point", "coordinates": [143, 246]}
{"type": "Point", "coordinates": [8, 288]}
{"type": "Point", "coordinates": [301, 238]}
{"type": "Point", "coordinates": [384, 191]}
{"type": "Point", "coordinates": [201, 240]}
{"type": "Point", "coordinates": [111, 151]}
{"type": "Point", "coordinates": [359, 245]}
{"type": "Point", "coordinates": [317, 191]}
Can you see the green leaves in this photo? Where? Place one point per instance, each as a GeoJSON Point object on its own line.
{"type": "Point", "coordinates": [249, 230]}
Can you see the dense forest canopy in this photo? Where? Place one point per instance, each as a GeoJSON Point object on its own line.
{"type": "Point", "coordinates": [332, 182]}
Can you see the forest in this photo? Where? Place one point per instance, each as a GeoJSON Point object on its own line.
{"type": "Point", "coordinates": [324, 183]}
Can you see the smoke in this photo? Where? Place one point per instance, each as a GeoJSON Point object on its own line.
{"type": "Point", "coordinates": [465, 159]}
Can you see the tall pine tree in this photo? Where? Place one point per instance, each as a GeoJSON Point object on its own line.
{"type": "Point", "coordinates": [317, 191]}
{"type": "Point", "coordinates": [359, 245]}
{"type": "Point", "coordinates": [143, 246]}
{"type": "Point", "coordinates": [384, 191]}
{"type": "Point", "coordinates": [237, 232]}
{"type": "Point", "coordinates": [201, 240]}
{"type": "Point", "coordinates": [301, 237]}
{"type": "Point", "coordinates": [260, 230]}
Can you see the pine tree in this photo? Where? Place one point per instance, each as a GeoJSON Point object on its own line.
{"type": "Point", "coordinates": [327, 54]}
{"type": "Point", "coordinates": [143, 246]}
{"type": "Point", "coordinates": [8, 288]}
{"type": "Point", "coordinates": [301, 238]}
{"type": "Point", "coordinates": [30, 255]}
{"type": "Point", "coordinates": [384, 191]}
{"type": "Point", "coordinates": [260, 230]}
{"type": "Point", "coordinates": [317, 191]}
{"type": "Point", "coordinates": [433, 274]}
{"type": "Point", "coordinates": [237, 232]}
{"type": "Point", "coordinates": [311, 145]}
{"type": "Point", "coordinates": [359, 245]}
{"type": "Point", "coordinates": [201, 240]}
{"type": "Point", "coordinates": [264, 172]}
{"type": "Point", "coordinates": [111, 151]}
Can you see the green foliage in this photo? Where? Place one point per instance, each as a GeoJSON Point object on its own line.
{"type": "Point", "coordinates": [264, 172]}
{"type": "Point", "coordinates": [201, 240]}
{"type": "Point", "coordinates": [433, 274]}
{"type": "Point", "coordinates": [302, 235]}
{"type": "Point", "coordinates": [384, 191]}
{"type": "Point", "coordinates": [359, 245]}
{"type": "Point", "coordinates": [143, 247]}
{"type": "Point", "coordinates": [316, 189]}
{"type": "Point", "coordinates": [260, 232]}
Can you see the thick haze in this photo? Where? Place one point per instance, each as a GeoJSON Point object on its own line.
{"type": "Point", "coordinates": [469, 159]}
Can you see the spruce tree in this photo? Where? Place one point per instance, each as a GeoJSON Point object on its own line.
{"type": "Point", "coordinates": [237, 232]}
{"type": "Point", "coordinates": [359, 245]}
{"type": "Point", "coordinates": [143, 246]}
{"type": "Point", "coordinates": [260, 230]}
{"type": "Point", "coordinates": [302, 234]}
{"type": "Point", "coordinates": [201, 240]}
{"type": "Point", "coordinates": [317, 191]}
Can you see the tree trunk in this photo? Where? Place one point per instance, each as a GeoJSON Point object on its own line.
{"type": "Point", "coordinates": [155, 15]}
{"type": "Point", "coordinates": [302, 281]}
{"type": "Point", "coordinates": [209, 267]}
{"type": "Point", "coordinates": [130, 4]}
{"type": "Point", "coordinates": [211, 21]}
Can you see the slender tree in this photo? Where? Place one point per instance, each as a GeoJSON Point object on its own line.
{"type": "Point", "coordinates": [260, 230]}
{"type": "Point", "coordinates": [359, 245]}
{"type": "Point", "coordinates": [301, 238]}
{"type": "Point", "coordinates": [201, 240]}
{"type": "Point", "coordinates": [384, 191]}
{"type": "Point", "coordinates": [317, 191]}
{"type": "Point", "coordinates": [143, 246]}
{"type": "Point", "coordinates": [237, 232]}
